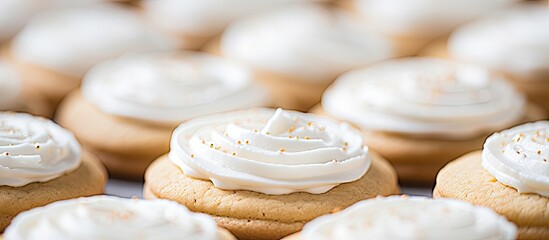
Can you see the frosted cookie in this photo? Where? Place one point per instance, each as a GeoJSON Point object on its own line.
{"type": "Point", "coordinates": [262, 174]}
{"type": "Point", "coordinates": [127, 107]}
{"type": "Point", "coordinates": [297, 51]}
{"type": "Point", "coordinates": [56, 48]}
{"type": "Point", "coordinates": [420, 113]}
{"type": "Point", "coordinates": [514, 42]}
{"type": "Point", "coordinates": [402, 217]}
{"type": "Point", "coordinates": [196, 22]}
{"type": "Point", "coordinates": [510, 175]}
{"type": "Point", "coordinates": [106, 217]}
{"type": "Point", "coordinates": [40, 163]}
{"type": "Point", "coordinates": [418, 22]}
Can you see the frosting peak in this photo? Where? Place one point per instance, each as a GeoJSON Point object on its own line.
{"type": "Point", "coordinates": [414, 217]}
{"type": "Point", "coordinates": [519, 157]}
{"type": "Point", "coordinates": [426, 97]}
{"type": "Point", "coordinates": [34, 149]}
{"type": "Point", "coordinates": [170, 87]}
{"type": "Point", "coordinates": [105, 217]}
{"type": "Point", "coordinates": [273, 152]}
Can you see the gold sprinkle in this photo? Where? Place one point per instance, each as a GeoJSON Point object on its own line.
{"type": "Point", "coordinates": [282, 150]}
{"type": "Point", "coordinates": [211, 145]}
{"type": "Point", "coordinates": [202, 140]}
{"type": "Point", "coordinates": [493, 180]}
{"type": "Point", "coordinates": [307, 137]}
{"type": "Point", "coordinates": [239, 142]}
{"type": "Point", "coordinates": [291, 136]}
{"type": "Point", "coordinates": [255, 130]}
{"type": "Point", "coordinates": [217, 148]}
{"type": "Point", "coordinates": [247, 141]}
{"type": "Point", "coordinates": [226, 134]}
{"type": "Point", "coordinates": [521, 134]}
{"type": "Point", "coordinates": [309, 124]}
{"type": "Point", "coordinates": [344, 149]}
{"type": "Point", "coordinates": [192, 155]}
{"type": "Point", "coordinates": [291, 129]}
{"type": "Point", "coordinates": [539, 152]}
{"type": "Point", "coordinates": [234, 154]}
{"type": "Point", "coordinates": [6, 153]}
{"type": "Point", "coordinates": [346, 143]}
{"type": "Point", "coordinates": [37, 147]}
{"type": "Point", "coordinates": [267, 133]}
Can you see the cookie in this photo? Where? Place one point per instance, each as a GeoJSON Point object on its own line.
{"type": "Point", "coordinates": [250, 168]}
{"type": "Point", "coordinates": [465, 179]}
{"type": "Point", "coordinates": [377, 218]}
{"type": "Point", "coordinates": [108, 217]}
{"type": "Point", "coordinates": [252, 215]}
{"type": "Point", "coordinates": [420, 113]}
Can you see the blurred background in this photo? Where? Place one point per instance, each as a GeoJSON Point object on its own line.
{"type": "Point", "coordinates": [294, 49]}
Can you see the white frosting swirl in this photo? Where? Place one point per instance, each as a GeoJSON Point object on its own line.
{"type": "Point", "coordinates": [201, 18]}
{"type": "Point", "coordinates": [34, 149]}
{"type": "Point", "coordinates": [72, 39]}
{"type": "Point", "coordinates": [399, 217]}
{"type": "Point", "coordinates": [423, 18]}
{"type": "Point", "coordinates": [171, 87]}
{"type": "Point", "coordinates": [519, 157]}
{"type": "Point", "coordinates": [10, 87]}
{"type": "Point", "coordinates": [106, 217]}
{"type": "Point", "coordinates": [514, 41]}
{"type": "Point", "coordinates": [272, 152]}
{"type": "Point", "coordinates": [307, 41]}
{"type": "Point", "coordinates": [425, 97]}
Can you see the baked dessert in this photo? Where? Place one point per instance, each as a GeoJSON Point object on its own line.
{"type": "Point", "coordinates": [264, 173]}
{"type": "Point", "coordinates": [421, 113]}
{"type": "Point", "coordinates": [510, 175]}
{"type": "Point", "coordinates": [40, 163]}
{"type": "Point", "coordinates": [197, 22]}
{"type": "Point", "coordinates": [127, 107]}
{"type": "Point", "coordinates": [297, 51]}
{"type": "Point", "coordinates": [419, 22]}
{"type": "Point", "coordinates": [56, 48]}
{"type": "Point", "coordinates": [107, 217]}
{"type": "Point", "coordinates": [414, 217]}
{"type": "Point", "coordinates": [514, 42]}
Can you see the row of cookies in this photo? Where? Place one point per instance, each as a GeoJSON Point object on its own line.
{"type": "Point", "coordinates": [265, 173]}
{"type": "Point", "coordinates": [294, 45]}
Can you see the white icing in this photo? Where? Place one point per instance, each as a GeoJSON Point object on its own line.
{"type": "Point", "coordinates": [106, 217]}
{"type": "Point", "coordinates": [272, 152]}
{"type": "Point", "coordinates": [171, 87]}
{"type": "Point", "coordinates": [519, 157]}
{"type": "Point", "coordinates": [10, 87]}
{"type": "Point", "coordinates": [411, 218]}
{"type": "Point", "coordinates": [72, 39]}
{"type": "Point", "coordinates": [425, 96]}
{"type": "Point", "coordinates": [305, 41]}
{"type": "Point", "coordinates": [201, 18]}
{"type": "Point", "coordinates": [34, 149]}
{"type": "Point", "coordinates": [423, 18]}
{"type": "Point", "coordinates": [514, 41]}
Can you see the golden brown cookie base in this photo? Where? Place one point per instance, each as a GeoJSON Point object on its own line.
{"type": "Point", "coordinates": [89, 179]}
{"type": "Point", "coordinates": [285, 213]}
{"type": "Point", "coordinates": [418, 160]}
{"type": "Point", "coordinates": [465, 179]}
{"type": "Point", "coordinates": [124, 145]}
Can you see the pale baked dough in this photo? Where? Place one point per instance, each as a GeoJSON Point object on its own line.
{"type": "Point", "coordinates": [87, 180]}
{"type": "Point", "coordinates": [253, 215]}
{"type": "Point", "coordinates": [465, 179]}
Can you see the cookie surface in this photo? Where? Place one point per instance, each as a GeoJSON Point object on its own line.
{"type": "Point", "coordinates": [125, 146]}
{"type": "Point", "coordinates": [465, 179]}
{"type": "Point", "coordinates": [270, 216]}
{"type": "Point", "coordinates": [89, 179]}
